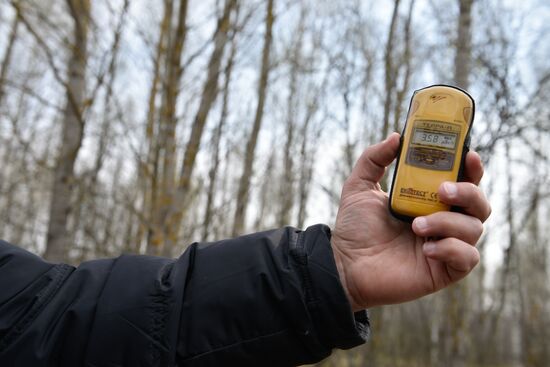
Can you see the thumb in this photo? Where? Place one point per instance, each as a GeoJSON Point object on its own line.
{"type": "Point", "coordinates": [374, 160]}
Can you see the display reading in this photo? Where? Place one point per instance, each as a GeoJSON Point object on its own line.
{"type": "Point", "coordinates": [437, 139]}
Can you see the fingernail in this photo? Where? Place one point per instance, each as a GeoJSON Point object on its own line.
{"type": "Point", "coordinates": [429, 248]}
{"type": "Point", "coordinates": [450, 189]}
{"type": "Point", "coordinates": [421, 223]}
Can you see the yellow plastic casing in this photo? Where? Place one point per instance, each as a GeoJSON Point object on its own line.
{"type": "Point", "coordinates": [434, 143]}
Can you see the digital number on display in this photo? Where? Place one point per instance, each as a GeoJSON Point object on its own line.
{"type": "Point", "coordinates": [426, 137]}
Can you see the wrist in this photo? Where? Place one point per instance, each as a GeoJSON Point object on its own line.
{"type": "Point", "coordinates": [341, 266]}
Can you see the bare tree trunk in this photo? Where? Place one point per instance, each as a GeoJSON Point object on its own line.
{"type": "Point", "coordinates": [406, 62]}
{"type": "Point", "coordinates": [223, 230]}
{"type": "Point", "coordinates": [509, 259]}
{"type": "Point", "coordinates": [266, 189]}
{"type": "Point", "coordinates": [531, 289]}
{"type": "Point", "coordinates": [8, 55]}
{"type": "Point", "coordinates": [167, 125]}
{"type": "Point", "coordinates": [456, 300]}
{"type": "Point", "coordinates": [90, 185]}
{"type": "Point", "coordinates": [389, 70]}
{"type": "Point", "coordinates": [390, 78]}
{"type": "Point", "coordinates": [17, 153]}
{"type": "Point", "coordinates": [107, 102]}
{"type": "Point", "coordinates": [8, 185]}
{"type": "Point", "coordinates": [108, 239]}
{"type": "Point", "coordinates": [310, 135]}
{"type": "Point", "coordinates": [351, 143]}
{"type": "Point", "coordinates": [287, 186]}
{"type": "Point", "coordinates": [58, 239]}
{"type": "Point", "coordinates": [244, 183]}
{"type": "Point", "coordinates": [213, 172]}
{"type": "Point", "coordinates": [463, 54]}
{"type": "Point", "coordinates": [149, 170]}
{"type": "Point", "coordinates": [174, 211]}
{"type": "Point", "coordinates": [307, 160]}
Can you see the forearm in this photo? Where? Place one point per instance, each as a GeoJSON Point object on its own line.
{"type": "Point", "coordinates": [276, 293]}
{"type": "Point", "coordinates": [273, 297]}
{"type": "Point", "coordinates": [105, 312]}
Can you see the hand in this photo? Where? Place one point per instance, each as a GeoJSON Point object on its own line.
{"type": "Point", "coordinates": [382, 260]}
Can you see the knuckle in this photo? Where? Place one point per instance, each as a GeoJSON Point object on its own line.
{"type": "Point", "coordinates": [472, 190]}
{"type": "Point", "coordinates": [449, 222]}
{"type": "Point", "coordinates": [474, 195]}
{"type": "Point", "coordinates": [367, 152]}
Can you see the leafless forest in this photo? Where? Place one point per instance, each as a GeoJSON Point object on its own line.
{"type": "Point", "coordinates": [143, 126]}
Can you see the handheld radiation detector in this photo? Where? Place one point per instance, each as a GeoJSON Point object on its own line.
{"type": "Point", "coordinates": [433, 147]}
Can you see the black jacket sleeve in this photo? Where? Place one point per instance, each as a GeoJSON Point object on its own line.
{"type": "Point", "coordinates": [272, 299]}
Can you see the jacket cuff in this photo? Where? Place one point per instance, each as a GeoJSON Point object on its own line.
{"type": "Point", "coordinates": [336, 325]}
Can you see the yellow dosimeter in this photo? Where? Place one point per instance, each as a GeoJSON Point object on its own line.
{"type": "Point", "coordinates": [433, 147]}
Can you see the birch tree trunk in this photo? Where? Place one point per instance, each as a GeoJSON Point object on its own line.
{"type": "Point", "coordinates": [463, 54]}
{"type": "Point", "coordinates": [8, 147]}
{"type": "Point", "coordinates": [389, 70]}
{"type": "Point", "coordinates": [390, 76]}
{"type": "Point", "coordinates": [58, 239]}
{"type": "Point", "coordinates": [287, 186]}
{"type": "Point", "coordinates": [8, 55]}
{"type": "Point", "coordinates": [406, 63]}
{"type": "Point", "coordinates": [244, 183]}
{"type": "Point", "coordinates": [149, 170]}
{"type": "Point", "coordinates": [457, 295]}
{"type": "Point", "coordinates": [174, 206]}
{"type": "Point", "coordinates": [307, 162]}
{"type": "Point", "coordinates": [91, 185]}
{"type": "Point", "coordinates": [216, 141]}
{"type": "Point", "coordinates": [167, 124]}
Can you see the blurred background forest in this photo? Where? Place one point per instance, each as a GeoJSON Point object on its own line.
{"type": "Point", "coordinates": [142, 126]}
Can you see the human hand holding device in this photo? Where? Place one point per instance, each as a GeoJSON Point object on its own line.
{"type": "Point", "coordinates": [382, 260]}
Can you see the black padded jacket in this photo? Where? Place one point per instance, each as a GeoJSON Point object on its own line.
{"type": "Point", "coordinates": [267, 299]}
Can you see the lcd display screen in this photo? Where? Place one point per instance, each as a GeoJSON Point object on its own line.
{"type": "Point", "coordinates": [434, 138]}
